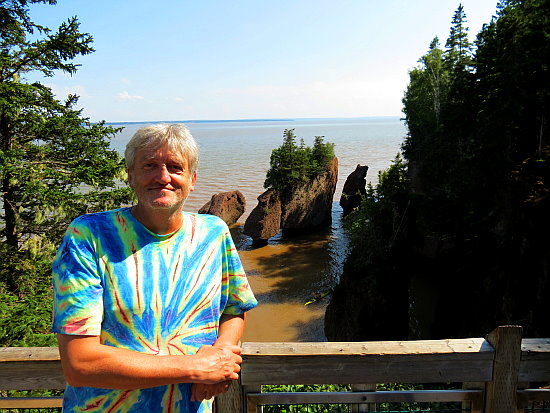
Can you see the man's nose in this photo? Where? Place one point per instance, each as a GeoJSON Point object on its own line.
{"type": "Point", "coordinates": [163, 176]}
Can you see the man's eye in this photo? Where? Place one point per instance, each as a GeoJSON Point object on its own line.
{"type": "Point", "coordinates": [175, 168]}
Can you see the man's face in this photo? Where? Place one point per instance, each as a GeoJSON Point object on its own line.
{"type": "Point", "coordinates": [160, 178]}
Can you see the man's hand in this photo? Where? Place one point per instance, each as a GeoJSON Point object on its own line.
{"type": "Point", "coordinates": [218, 363]}
{"type": "Point", "coordinates": [200, 391]}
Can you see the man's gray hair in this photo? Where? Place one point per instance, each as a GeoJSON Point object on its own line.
{"type": "Point", "coordinates": [175, 135]}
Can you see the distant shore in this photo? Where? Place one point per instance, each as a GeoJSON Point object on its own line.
{"type": "Point", "coordinates": [250, 120]}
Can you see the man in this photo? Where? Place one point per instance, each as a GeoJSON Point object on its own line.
{"type": "Point", "coordinates": [150, 300]}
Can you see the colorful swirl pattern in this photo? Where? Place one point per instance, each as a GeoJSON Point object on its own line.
{"type": "Point", "coordinates": [156, 294]}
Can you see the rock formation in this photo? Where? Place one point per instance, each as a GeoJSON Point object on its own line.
{"type": "Point", "coordinates": [264, 221]}
{"type": "Point", "coordinates": [354, 189]}
{"type": "Point", "coordinates": [307, 205]}
{"type": "Point", "coordinates": [229, 206]}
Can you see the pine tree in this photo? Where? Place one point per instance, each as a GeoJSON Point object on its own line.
{"type": "Point", "coordinates": [293, 164]}
{"type": "Point", "coordinates": [458, 54]}
{"type": "Point", "coordinates": [54, 163]}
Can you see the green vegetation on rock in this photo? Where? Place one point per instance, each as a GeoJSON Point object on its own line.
{"type": "Point", "coordinates": [292, 164]}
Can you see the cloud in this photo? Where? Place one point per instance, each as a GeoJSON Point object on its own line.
{"type": "Point", "coordinates": [126, 96]}
{"type": "Point", "coordinates": [178, 99]}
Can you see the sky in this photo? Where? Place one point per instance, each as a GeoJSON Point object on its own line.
{"type": "Point", "coordinates": [172, 60]}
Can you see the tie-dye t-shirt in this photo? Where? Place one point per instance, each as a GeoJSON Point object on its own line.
{"type": "Point", "coordinates": [157, 294]}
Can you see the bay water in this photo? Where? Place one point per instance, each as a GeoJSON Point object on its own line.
{"type": "Point", "coordinates": [287, 272]}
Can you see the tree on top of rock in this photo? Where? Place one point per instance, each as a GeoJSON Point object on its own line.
{"type": "Point", "coordinates": [293, 164]}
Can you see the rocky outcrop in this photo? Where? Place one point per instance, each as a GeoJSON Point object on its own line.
{"type": "Point", "coordinates": [264, 221]}
{"type": "Point", "coordinates": [307, 205]}
{"type": "Point", "coordinates": [229, 206]}
{"type": "Point", "coordinates": [354, 189]}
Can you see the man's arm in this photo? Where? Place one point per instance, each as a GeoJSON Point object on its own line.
{"type": "Point", "coordinates": [87, 362]}
{"type": "Point", "coordinates": [229, 333]}
{"type": "Point", "coordinates": [231, 329]}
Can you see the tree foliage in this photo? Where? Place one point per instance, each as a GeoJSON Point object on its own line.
{"type": "Point", "coordinates": [375, 226]}
{"type": "Point", "coordinates": [477, 154]}
{"type": "Point", "coordinates": [292, 164]}
{"type": "Point", "coordinates": [54, 163]}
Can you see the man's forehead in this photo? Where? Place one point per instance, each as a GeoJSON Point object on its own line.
{"type": "Point", "coordinates": [162, 152]}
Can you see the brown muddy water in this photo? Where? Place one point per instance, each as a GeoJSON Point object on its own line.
{"type": "Point", "coordinates": [288, 273]}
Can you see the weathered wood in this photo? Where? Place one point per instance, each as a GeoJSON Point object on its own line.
{"type": "Point", "coordinates": [31, 375]}
{"type": "Point", "coordinates": [535, 360]}
{"type": "Point", "coordinates": [30, 368]}
{"type": "Point", "coordinates": [501, 392]}
{"type": "Point", "coordinates": [31, 402]}
{"type": "Point", "coordinates": [250, 406]}
{"type": "Point", "coordinates": [418, 396]}
{"type": "Point", "coordinates": [466, 360]}
{"type": "Point", "coordinates": [11, 354]}
{"type": "Point", "coordinates": [475, 406]}
{"type": "Point", "coordinates": [532, 395]}
{"type": "Point", "coordinates": [363, 407]}
{"type": "Point", "coordinates": [367, 362]}
{"type": "Point", "coordinates": [229, 402]}
{"type": "Point", "coordinates": [450, 346]}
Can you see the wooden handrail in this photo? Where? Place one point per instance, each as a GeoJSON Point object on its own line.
{"type": "Point", "coordinates": [425, 361]}
{"type": "Point", "coordinates": [469, 361]}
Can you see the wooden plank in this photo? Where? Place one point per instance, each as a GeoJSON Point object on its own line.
{"type": "Point", "coordinates": [501, 392]}
{"type": "Point", "coordinates": [428, 396]}
{"type": "Point", "coordinates": [367, 362]}
{"type": "Point", "coordinates": [532, 395]}
{"type": "Point", "coordinates": [30, 368]}
{"type": "Point", "coordinates": [468, 345]}
{"type": "Point", "coordinates": [31, 375]}
{"type": "Point", "coordinates": [10, 354]}
{"type": "Point", "coordinates": [30, 402]}
{"type": "Point", "coordinates": [326, 370]}
{"type": "Point", "coordinates": [535, 360]}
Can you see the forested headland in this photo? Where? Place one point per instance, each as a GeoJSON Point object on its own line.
{"type": "Point", "coordinates": [455, 238]}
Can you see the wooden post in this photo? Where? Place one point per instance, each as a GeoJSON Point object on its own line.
{"type": "Point", "coordinates": [363, 407]}
{"type": "Point", "coordinates": [475, 406]}
{"type": "Point", "coordinates": [229, 402]}
{"type": "Point", "coordinates": [248, 406]}
{"type": "Point", "coordinates": [501, 392]}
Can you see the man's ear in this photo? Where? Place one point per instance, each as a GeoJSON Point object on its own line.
{"type": "Point", "coordinates": [130, 177]}
{"type": "Point", "coordinates": [193, 182]}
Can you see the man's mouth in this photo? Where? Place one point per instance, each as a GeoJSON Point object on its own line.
{"type": "Point", "coordinates": [161, 188]}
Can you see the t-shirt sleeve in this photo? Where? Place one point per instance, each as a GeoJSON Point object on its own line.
{"type": "Point", "coordinates": [77, 286]}
{"type": "Point", "coordinates": [235, 287]}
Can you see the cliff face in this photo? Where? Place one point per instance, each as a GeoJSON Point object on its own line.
{"type": "Point", "coordinates": [308, 205]}
{"type": "Point", "coordinates": [455, 284]}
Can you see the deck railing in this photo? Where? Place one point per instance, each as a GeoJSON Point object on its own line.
{"type": "Point", "coordinates": [496, 373]}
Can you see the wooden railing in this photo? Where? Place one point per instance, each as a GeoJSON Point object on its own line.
{"type": "Point", "coordinates": [496, 372]}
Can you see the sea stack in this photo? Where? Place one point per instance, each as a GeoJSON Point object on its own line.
{"type": "Point", "coordinates": [354, 189]}
{"type": "Point", "coordinates": [303, 206]}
